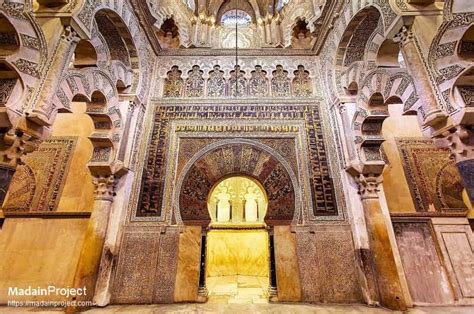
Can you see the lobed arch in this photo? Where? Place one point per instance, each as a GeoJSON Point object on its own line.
{"type": "Point", "coordinates": [124, 20]}
{"type": "Point", "coordinates": [446, 59]}
{"type": "Point", "coordinates": [378, 90]}
{"type": "Point", "coordinates": [94, 87]}
{"type": "Point", "coordinates": [357, 47]}
{"type": "Point", "coordinates": [249, 158]}
{"type": "Point", "coordinates": [359, 32]}
{"type": "Point", "coordinates": [355, 26]}
{"type": "Point", "coordinates": [389, 83]}
{"type": "Point", "coordinates": [120, 73]}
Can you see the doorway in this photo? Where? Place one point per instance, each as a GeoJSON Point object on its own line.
{"type": "Point", "coordinates": [237, 250]}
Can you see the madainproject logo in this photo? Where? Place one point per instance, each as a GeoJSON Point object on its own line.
{"type": "Point", "coordinates": [48, 291]}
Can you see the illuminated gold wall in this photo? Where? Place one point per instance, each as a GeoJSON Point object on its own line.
{"type": "Point", "coordinates": [395, 184]}
{"type": "Point", "coordinates": [237, 191]}
{"type": "Point", "coordinates": [78, 192]}
{"type": "Point", "coordinates": [41, 252]}
{"type": "Point", "coordinates": [237, 252]}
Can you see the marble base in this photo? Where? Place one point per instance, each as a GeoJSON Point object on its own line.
{"type": "Point", "coordinates": [237, 252]}
{"type": "Point", "coordinates": [237, 289]}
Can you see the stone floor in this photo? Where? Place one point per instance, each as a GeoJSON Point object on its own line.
{"type": "Point", "coordinates": [280, 308]}
{"type": "Point", "coordinates": [237, 289]}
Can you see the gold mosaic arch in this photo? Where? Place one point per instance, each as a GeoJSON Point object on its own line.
{"type": "Point", "coordinates": [237, 157]}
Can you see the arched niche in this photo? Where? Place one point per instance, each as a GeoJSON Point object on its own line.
{"type": "Point", "coordinates": [9, 41]}
{"type": "Point", "coordinates": [376, 100]}
{"type": "Point", "coordinates": [352, 89]}
{"type": "Point", "coordinates": [237, 200]}
{"type": "Point", "coordinates": [301, 36]}
{"type": "Point", "coordinates": [393, 100]}
{"type": "Point", "coordinates": [168, 34]}
{"type": "Point", "coordinates": [466, 45]}
{"type": "Point", "coordinates": [389, 54]}
{"type": "Point", "coordinates": [84, 55]}
{"type": "Point", "coordinates": [205, 170]}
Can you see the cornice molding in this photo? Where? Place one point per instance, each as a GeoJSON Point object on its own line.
{"type": "Point", "coordinates": [237, 101]}
{"type": "Point", "coordinates": [231, 52]}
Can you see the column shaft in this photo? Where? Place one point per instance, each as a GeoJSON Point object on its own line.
{"type": "Point", "coordinates": [431, 111]}
{"type": "Point", "coordinates": [89, 260]}
{"type": "Point", "coordinates": [388, 280]}
{"type": "Point", "coordinates": [61, 57]}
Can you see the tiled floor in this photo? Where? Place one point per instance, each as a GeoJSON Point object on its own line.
{"type": "Point", "coordinates": [271, 308]}
{"type": "Point", "coordinates": [237, 289]}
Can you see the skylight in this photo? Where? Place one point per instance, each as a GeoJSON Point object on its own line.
{"type": "Point", "coordinates": [231, 17]}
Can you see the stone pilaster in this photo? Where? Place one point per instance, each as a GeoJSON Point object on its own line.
{"type": "Point", "coordinates": [430, 110]}
{"type": "Point", "coordinates": [89, 260]}
{"type": "Point", "coordinates": [388, 280]}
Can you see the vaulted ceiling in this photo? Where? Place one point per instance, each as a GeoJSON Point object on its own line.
{"type": "Point", "coordinates": [317, 15]}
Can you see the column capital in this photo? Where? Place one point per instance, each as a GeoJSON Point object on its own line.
{"type": "Point", "coordinates": [104, 187]}
{"type": "Point", "coordinates": [17, 145]}
{"type": "Point", "coordinates": [404, 35]}
{"type": "Point", "coordinates": [341, 107]}
{"type": "Point", "coordinates": [461, 142]}
{"type": "Point", "coordinates": [70, 35]}
{"type": "Point", "coordinates": [369, 185]}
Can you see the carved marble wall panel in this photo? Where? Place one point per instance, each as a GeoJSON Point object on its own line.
{"type": "Point", "coordinates": [287, 271]}
{"type": "Point", "coordinates": [427, 280]}
{"type": "Point", "coordinates": [320, 181]}
{"type": "Point", "coordinates": [328, 245]}
{"type": "Point", "coordinates": [456, 241]}
{"type": "Point", "coordinates": [146, 267]}
{"type": "Point", "coordinates": [37, 185]}
{"type": "Point", "coordinates": [188, 268]}
{"type": "Point", "coordinates": [434, 181]}
{"type": "Point", "coordinates": [259, 77]}
{"type": "Point", "coordinates": [166, 267]}
{"type": "Point", "coordinates": [135, 268]}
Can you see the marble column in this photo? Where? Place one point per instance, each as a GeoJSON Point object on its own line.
{"type": "Point", "coordinates": [268, 31]}
{"type": "Point", "coordinates": [89, 260]}
{"type": "Point", "coordinates": [61, 57]}
{"type": "Point", "coordinates": [347, 131]}
{"type": "Point", "coordinates": [15, 144]}
{"type": "Point", "coordinates": [430, 110]}
{"type": "Point", "coordinates": [461, 143]}
{"type": "Point", "coordinates": [275, 27]}
{"type": "Point", "coordinates": [388, 280]}
{"type": "Point", "coordinates": [130, 113]}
